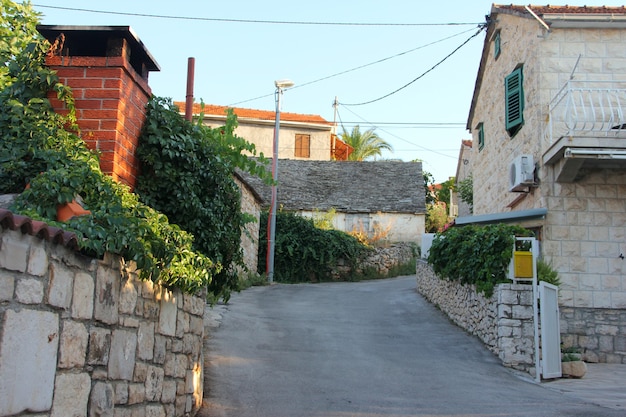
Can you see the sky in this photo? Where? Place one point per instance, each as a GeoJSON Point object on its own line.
{"type": "Point", "coordinates": [405, 68]}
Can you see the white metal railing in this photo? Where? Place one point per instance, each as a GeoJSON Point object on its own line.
{"type": "Point", "coordinates": [595, 108]}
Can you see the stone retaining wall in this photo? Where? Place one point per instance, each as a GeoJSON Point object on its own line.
{"type": "Point", "coordinates": [82, 337]}
{"type": "Point", "coordinates": [383, 259]}
{"type": "Point", "coordinates": [503, 322]}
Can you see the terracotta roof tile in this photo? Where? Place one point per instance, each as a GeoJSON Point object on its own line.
{"type": "Point", "coordinates": [255, 114]}
{"type": "Point", "coordinates": [28, 226]}
{"type": "Point", "coordinates": [467, 142]}
{"type": "Point", "coordinates": [552, 9]}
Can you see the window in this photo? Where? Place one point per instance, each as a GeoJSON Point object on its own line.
{"type": "Point", "coordinates": [514, 101]}
{"type": "Point", "coordinates": [496, 45]}
{"type": "Point", "coordinates": [303, 146]}
{"type": "Point", "coordinates": [481, 136]}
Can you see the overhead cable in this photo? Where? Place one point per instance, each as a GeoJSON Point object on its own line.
{"type": "Point", "coordinates": [480, 29]}
{"type": "Point", "coordinates": [273, 22]}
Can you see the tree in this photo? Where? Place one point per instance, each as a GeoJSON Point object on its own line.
{"type": "Point", "coordinates": [443, 193]}
{"type": "Point", "coordinates": [366, 144]}
{"type": "Point", "coordinates": [429, 181]}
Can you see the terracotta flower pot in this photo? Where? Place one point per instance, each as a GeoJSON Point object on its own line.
{"type": "Point", "coordinates": [68, 210]}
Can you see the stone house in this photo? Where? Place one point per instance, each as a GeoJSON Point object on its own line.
{"type": "Point", "coordinates": [301, 136]}
{"type": "Point", "coordinates": [549, 142]}
{"type": "Point", "coordinates": [366, 196]}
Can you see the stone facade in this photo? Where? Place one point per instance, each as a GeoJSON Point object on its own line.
{"type": "Point", "coordinates": [82, 337]}
{"type": "Point", "coordinates": [583, 234]}
{"type": "Point", "coordinates": [503, 322]}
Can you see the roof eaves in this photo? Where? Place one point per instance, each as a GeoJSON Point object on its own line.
{"type": "Point", "coordinates": [28, 226]}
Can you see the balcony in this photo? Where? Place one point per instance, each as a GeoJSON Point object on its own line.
{"type": "Point", "coordinates": [587, 128]}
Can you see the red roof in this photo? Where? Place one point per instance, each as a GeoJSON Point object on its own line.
{"type": "Point", "coordinates": [551, 9]}
{"type": "Point", "coordinates": [467, 142]}
{"type": "Point", "coordinates": [28, 226]}
{"type": "Point", "coordinates": [254, 114]}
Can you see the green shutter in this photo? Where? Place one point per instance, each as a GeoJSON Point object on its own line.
{"type": "Point", "coordinates": [481, 136]}
{"type": "Point", "coordinates": [514, 101]}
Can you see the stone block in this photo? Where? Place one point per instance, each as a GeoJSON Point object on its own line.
{"type": "Point", "coordinates": [145, 341]}
{"type": "Point", "coordinates": [168, 313]}
{"type": "Point", "coordinates": [155, 411]}
{"type": "Point", "coordinates": [141, 372]}
{"type": "Point", "coordinates": [168, 394]}
{"type": "Point", "coordinates": [28, 358]}
{"type": "Point", "coordinates": [73, 347]}
{"type": "Point", "coordinates": [29, 291]}
{"type": "Point", "coordinates": [121, 392]}
{"type": "Point", "coordinates": [102, 402]}
{"type": "Point", "coordinates": [154, 383]}
{"type": "Point", "coordinates": [83, 294]}
{"type": "Point", "coordinates": [60, 285]}
{"type": "Point", "coordinates": [14, 252]}
{"type": "Point", "coordinates": [7, 285]}
{"type": "Point", "coordinates": [107, 295]}
{"type": "Point", "coordinates": [37, 261]}
{"type": "Point", "coordinates": [71, 394]}
{"type": "Point", "coordinates": [122, 355]}
{"type": "Point", "coordinates": [99, 346]}
{"type": "Point", "coordinates": [128, 297]}
{"type": "Point", "coordinates": [160, 349]}
{"type": "Point", "coordinates": [136, 393]}
{"type": "Point", "coordinates": [122, 412]}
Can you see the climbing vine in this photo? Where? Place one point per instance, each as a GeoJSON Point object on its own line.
{"type": "Point", "coordinates": [478, 255]}
{"type": "Point", "coordinates": [45, 150]}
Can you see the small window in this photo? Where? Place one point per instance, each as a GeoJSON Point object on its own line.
{"type": "Point", "coordinates": [303, 146]}
{"type": "Point", "coordinates": [514, 101]}
{"type": "Point", "coordinates": [496, 45]}
{"type": "Point", "coordinates": [481, 136]}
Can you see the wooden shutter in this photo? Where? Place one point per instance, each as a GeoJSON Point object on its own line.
{"type": "Point", "coordinates": [303, 146]}
{"type": "Point", "coordinates": [514, 101]}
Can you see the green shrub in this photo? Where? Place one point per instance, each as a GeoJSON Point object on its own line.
{"type": "Point", "coordinates": [304, 253]}
{"type": "Point", "coordinates": [546, 273]}
{"type": "Point", "coordinates": [478, 255]}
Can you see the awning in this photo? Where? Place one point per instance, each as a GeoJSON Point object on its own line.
{"type": "Point", "coordinates": [508, 217]}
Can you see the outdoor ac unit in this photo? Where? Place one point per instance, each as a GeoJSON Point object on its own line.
{"type": "Point", "coordinates": [522, 173]}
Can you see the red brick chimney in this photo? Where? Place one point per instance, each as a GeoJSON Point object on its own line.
{"type": "Point", "coordinates": [107, 69]}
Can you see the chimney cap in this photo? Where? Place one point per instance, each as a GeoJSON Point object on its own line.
{"type": "Point", "coordinates": [92, 40]}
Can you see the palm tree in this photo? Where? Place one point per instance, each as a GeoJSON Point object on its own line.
{"type": "Point", "coordinates": [366, 144]}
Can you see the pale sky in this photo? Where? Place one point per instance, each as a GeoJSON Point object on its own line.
{"type": "Point", "coordinates": [328, 49]}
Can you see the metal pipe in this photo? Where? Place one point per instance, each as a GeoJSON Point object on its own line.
{"type": "Point", "coordinates": [191, 63]}
{"type": "Point", "coordinates": [269, 265]}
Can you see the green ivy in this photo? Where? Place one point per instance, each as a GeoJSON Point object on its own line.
{"type": "Point", "coordinates": [478, 255]}
{"type": "Point", "coordinates": [188, 174]}
{"type": "Point", "coordinates": [305, 253]}
{"type": "Point", "coordinates": [44, 149]}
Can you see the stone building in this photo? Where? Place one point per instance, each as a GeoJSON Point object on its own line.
{"type": "Point", "coordinates": [301, 136]}
{"type": "Point", "coordinates": [365, 196]}
{"type": "Point", "coordinates": [548, 126]}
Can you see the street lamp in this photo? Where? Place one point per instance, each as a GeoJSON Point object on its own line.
{"type": "Point", "coordinates": [269, 264]}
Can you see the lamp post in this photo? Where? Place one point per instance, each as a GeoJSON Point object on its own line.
{"type": "Point", "coordinates": [269, 268]}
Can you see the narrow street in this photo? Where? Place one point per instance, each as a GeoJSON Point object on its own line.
{"type": "Point", "coordinates": [365, 349]}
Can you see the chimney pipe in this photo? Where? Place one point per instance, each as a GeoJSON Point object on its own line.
{"type": "Point", "coordinates": [191, 62]}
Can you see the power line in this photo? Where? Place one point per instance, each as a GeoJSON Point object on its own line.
{"type": "Point", "coordinates": [359, 67]}
{"type": "Point", "coordinates": [480, 29]}
{"type": "Point", "coordinates": [398, 137]}
{"type": "Point", "coordinates": [273, 22]}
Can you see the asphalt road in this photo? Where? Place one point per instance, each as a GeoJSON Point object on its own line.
{"type": "Point", "coordinates": [363, 349]}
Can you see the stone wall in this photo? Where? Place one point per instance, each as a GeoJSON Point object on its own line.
{"type": "Point", "coordinates": [383, 259]}
{"type": "Point", "coordinates": [82, 337]}
{"type": "Point", "coordinates": [599, 333]}
{"type": "Point", "coordinates": [250, 235]}
{"type": "Point", "coordinates": [503, 322]}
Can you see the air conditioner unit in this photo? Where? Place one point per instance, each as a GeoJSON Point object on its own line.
{"type": "Point", "coordinates": [522, 173]}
